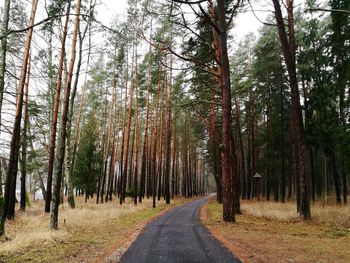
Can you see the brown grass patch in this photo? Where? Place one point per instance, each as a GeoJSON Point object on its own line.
{"type": "Point", "coordinates": [86, 233]}
{"type": "Point", "coordinates": [280, 236]}
{"type": "Point", "coordinates": [333, 215]}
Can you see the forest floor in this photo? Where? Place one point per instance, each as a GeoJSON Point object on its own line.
{"type": "Point", "coordinates": [89, 233]}
{"type": "Point", "coordinates": [273, 232]}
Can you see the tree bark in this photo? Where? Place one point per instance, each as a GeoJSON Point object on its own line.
{"type": "Point", "coordinates": [10, 185]}
{"type": "Point", "coordinates": [145, 137]}
{"type": "Point", "coordinates": [3, 50]}
{"type": "Point", "coordinates": [24, 144]}
{"type": "Point", "coordinates": [168, 138]}
{"type": "Point", "coordinates": [228, 174]}
{"type": "Point", "coordinates": [63, 132]}
{"type": "Point", "coordinates": [160, 152]}
{"type": "Point", "coordinates": [336, 179]}
{"type": "Point", "coordinates": [298, 133]}
{"type": "Point", "coordinates": [55, 114]}
{"type": "Point", "coordinates": [136, 132]}
{"type": "Point", "coordinates": [155, 140]}
{"type": "Point", "coordinates": [126, 157]}
{"type": "Point", "coordinates": [174, 152]}
{"type": "Point", "coordinates": [70, 167]}
{"type": "Point", "coordinates": [123, 137]}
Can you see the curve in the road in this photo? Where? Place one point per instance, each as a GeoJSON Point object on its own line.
{"type": "Point", "coordinates": [178, 236]}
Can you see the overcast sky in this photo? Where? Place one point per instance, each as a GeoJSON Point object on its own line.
{"type": "Point", "coordinates": [244, 23]}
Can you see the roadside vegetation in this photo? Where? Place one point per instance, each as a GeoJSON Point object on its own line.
{"type": "Point", "coordinates": [89, 233]}
{"type": "Point", "coordinates": [273, 232]}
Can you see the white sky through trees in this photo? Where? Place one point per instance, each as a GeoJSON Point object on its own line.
{"type": "Point", "coordinates": [245, 22]}
{"type": "Point", "coordinates": [107, 10]}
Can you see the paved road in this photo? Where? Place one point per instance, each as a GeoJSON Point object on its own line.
{"type": "Point", "coordinates": [178, 236]}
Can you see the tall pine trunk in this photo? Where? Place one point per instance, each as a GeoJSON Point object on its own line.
{"type": "Point", "coordinates": [168, 138]}
{"type": "Point", "coordinates": [301, 156]}
{"type": "Point", "coordinates": [63, 133]}
{"type": "Point", "coordinates": [3, 51]}
{"type": "Point", "coordinates": [145, 136]}
{"type": "Point", "coordinates": [10, 185]}
{"type": "Point", "coordinates": [154, 143]}
{"type": "Point", "coordinates": [136, 132]}
{"type": "Point", "coordinates": [69, 162]}
{"type": "Point", "coordinates": [126, 156]}
{"type": "Point", "coordinates": [24, 144]}
{"type": "Point", "coordinates": [55, 114]}
{"type": "Point", "coordinates": [228, 172]}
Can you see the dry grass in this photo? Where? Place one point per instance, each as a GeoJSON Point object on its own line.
{"type": "Point", "coordinates": [88, 226]}
{"type": "Point", "coordinates": [33, 226]}
{"type": "Point", "coordinates": [335, 216]}
{"type": "Point", "coordinates": [276, 211]}
{"type": "Point", "coordinates": [269, 232]}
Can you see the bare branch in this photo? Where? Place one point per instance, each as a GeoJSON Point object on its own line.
{"type": "Point", "coordinates": [53, 17]}
{"type": "Point", "coordinates": [189, 2]}
{"type": "Point", "coordinates": [328, 10]}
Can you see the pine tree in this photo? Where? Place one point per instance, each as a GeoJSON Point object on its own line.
{"type": "Point", "coordinates": [88, 159]}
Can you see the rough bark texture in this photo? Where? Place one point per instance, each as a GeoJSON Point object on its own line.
{"type": "Point", "coordinates": [3, 49]}
{"type": "Point", "coordinates": [145, 137]}
{"type": "Point", "coordinates": [137, 143]}
{"type": "Point", "coordinates": [168, 139]}
{"type": "Point", "coordinates": [63, 132]}
{"type": "Point", "coordinates": [55, 115]}
{"type": "Point", "coordinates": [10, 185]}
{"type": "Point", "coordinates": [298, 135]}
{"type": "Point", "coordinates": [128, 131]}
{"type": "Point", "coordinates": [69, 162]}
{"type": "Point", "coordinates": [154, 141]}
{"type": "Point", "coordinates": [228, 174]}
{"type": "Point", "coordinates": [24, 144]}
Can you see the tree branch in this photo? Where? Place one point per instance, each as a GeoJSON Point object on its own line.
{"type": "Point", "coordinates": [329, 10]}
{"type": "Point", "coordinates": [189, 2]}
{"type": "Point", "coordinates": [11, 31]}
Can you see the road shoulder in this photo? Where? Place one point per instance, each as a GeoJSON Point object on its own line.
{"type": "Point", "coordinates": [258, 239]}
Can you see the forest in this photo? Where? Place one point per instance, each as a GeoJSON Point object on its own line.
{"type": "Point", "coordinates": [164, 104]}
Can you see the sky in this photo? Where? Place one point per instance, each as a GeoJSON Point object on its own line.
{"type": "Point", "coordinates": [245, 22]}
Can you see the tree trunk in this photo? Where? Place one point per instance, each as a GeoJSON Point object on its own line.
{"type": "Point", "coordinates": [10, 185]}
{"type": "Point", "coordinates": [155, 140]}
{"type": "Point", "coordinates": [81, 106]}
{"type": "Point", "coordinates": [24, 144]}
{"type": "Point", "coordinates": [168, 138]}
{"type": "Point", "coordinates": [145, 137]}
{"type": "Point", "coordinates": [228, 179]}
{"type": "Point", "coordinates": [283, 174]}
{"type": "Point", "coordinates": [3, 51]}
{"type": "Point", "coordinates": [123, 138]}
{"type": "Point", "coordinates": [215, 150]}
{"type": "Point", "coordinates": [136, 132]}
{"type": "Point", "coordinates": [174, 152]}
{"type": "Point", "coordinates": [336, 180]}
{"type": "Point", "coordinates": [298, 134]}
{"type": "Point", "coordinates": [241, 146]}
{"type": "Point", "coordinates": [126, 157]}
{"type": "Point", "coordinates": [63, 132]}
{"type": "Point", "coordinates": [55, 114]}
{"type": "Point", "coordinates": [111, 152]}
{"type": "Point", "coordinates": [160, 152]}
{"type": "Point", "coordinates": [345, 183]}
{"type": "Point", "coordinates": [69, 167]}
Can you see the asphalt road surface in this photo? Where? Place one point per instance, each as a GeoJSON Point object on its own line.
{"type": "Point", "coordinates": [178, 236]}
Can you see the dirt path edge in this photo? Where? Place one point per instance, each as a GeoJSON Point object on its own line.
{"type": "Point", "coordinates": [235, 248]}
